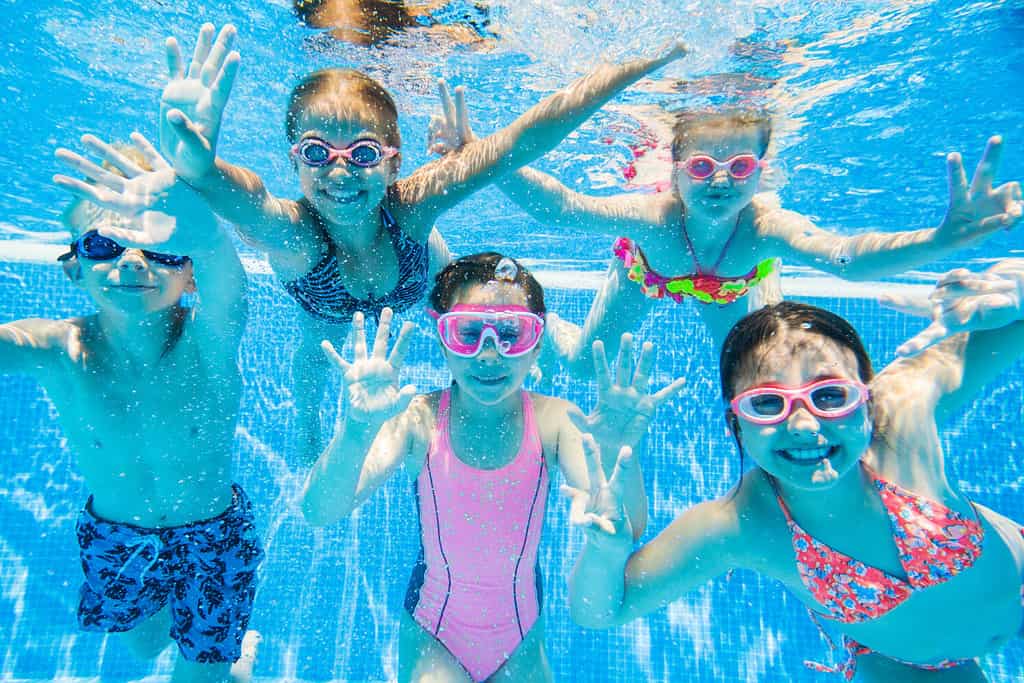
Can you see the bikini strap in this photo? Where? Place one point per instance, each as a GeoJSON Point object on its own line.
{"type": "Point", "coordinates": [442, 438]}
{"type": "Point", "coordinates": [721, 254]}
{"type": "Point", "coordinates": [778, 497]}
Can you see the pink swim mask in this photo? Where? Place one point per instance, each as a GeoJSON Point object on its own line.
{"type": "Point", "coordinates": [515, 330]}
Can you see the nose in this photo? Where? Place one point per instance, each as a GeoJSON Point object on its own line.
{"type": "Point", "coordinates": [720, 177]}
{"type": "Point", "coordinates": [802, 422]}
{"type": "Point", "coordinates": [132, 259]}
{"type": "Point", "coordinates": [489, 351]}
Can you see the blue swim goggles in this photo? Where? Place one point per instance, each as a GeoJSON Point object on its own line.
{"type": "Point", "coordinates": [95, 247]}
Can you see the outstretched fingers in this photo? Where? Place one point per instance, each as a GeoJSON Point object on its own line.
{"type": "Point", "coordinates": [149, 152]}
{"type": "Point", "coordinates": [401, 347]}
{"type": "Point", "coordinates": [956, 178]}
{"type": "Point", "coordinates": [624, 361]}
{"type": "Point", "coordinates": [988, 167]}
{"type": "Point", "coordinates": [928, 337]}
{"type": "Point", "coordinates": [642, 376]}
{"type": "Point", "coordinates": [218, 54]}
{"type": "Point", "coordinates": [334, 357]}
{"type": "Point", "coordinates": [602, 373]}
{"type": "Point", "coordinates": [202, 51]}
{"type": "Point", "coordinates": [359, 336]}
{"type": "Point", "coordinates": [91, 170]}
{"type": "Point", "coordinates": [380, 340]}
{"type": "Point", "coordinates": [462, 115]}
{"type": "Point", "coordinates": [175, 63]}
{"type": "Point", "coordinates": [447, 104]}
{"type": "Point", "coordinates": [127, 166]}
{"type": "Point", "coordinates": [668, 392]}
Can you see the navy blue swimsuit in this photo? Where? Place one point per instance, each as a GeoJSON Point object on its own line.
{"type": "Point", "coordinates": [321, 293]}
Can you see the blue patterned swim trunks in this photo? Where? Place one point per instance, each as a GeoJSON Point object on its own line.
{"type": "Point", "coordinates": [205, 571]}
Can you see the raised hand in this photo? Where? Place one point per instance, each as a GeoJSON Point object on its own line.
{"type": "Point", "coordinates": [450, 131]}
{"type": "Point", "coordinates": [371, 380]}
{"type": "Point", "coordinates": [624, 407]}
{"type": "Point", "coordinates": [964, 301]}
{"type": "Point", "coordinates": [192, 103]}
{"type": "Point", "coordinates": [978, 210]}
{"type": "Point", "coordinates": [600, 510]}
{"type": "Point", "coordinates": [146, 206]}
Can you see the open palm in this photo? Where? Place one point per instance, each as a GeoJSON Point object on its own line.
{"type": "Point", "coordinates": [193, 101]}
{"type": "Point", "coordinates": [371, 390]}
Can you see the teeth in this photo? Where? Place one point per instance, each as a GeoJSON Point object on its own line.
{"type": "Point", "coordinates": [808, 453]}
{"type": "Point", "coordinates": [339, 197]}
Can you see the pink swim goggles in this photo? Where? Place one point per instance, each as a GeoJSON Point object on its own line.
{"type": "Point", "coordinates": [515, 330]}
{"type": "Point", "coordinates": [826, 398]}
{"type": "Point", "coordinates": [702, 166]}
{"type": "Point", "coordinates": [364, 153]}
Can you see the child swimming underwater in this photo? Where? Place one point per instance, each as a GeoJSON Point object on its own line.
{"type": "Point", "coordinates": [718, 233]}
{"type": "Point", "coordinates": [927, 579]}
{"type": "Point", "coordinates": [148, 393]}
{"type": "Point", "coordinates": [360, 238]}
{"type": "Point", "coordinates": [474, 600]}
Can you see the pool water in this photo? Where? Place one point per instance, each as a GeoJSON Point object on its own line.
{"type": "Point", "coordinates": [871, 95]}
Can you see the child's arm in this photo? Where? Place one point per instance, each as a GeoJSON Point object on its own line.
{"type": "Point", "coordinates": [191, 109]}
{"type": "Point", "coordinates": [619, 420]}
{"type": "Point", "coordinates": [162, 213]}
{"type": "Point", "coordinates": [610, 585]}
{"type": "Point", "coordinates": [446, 181]}
{"type": "Point", "coordinates": [977, 332]}
{"type": "Point", "coordinates": [974, 213]}
{"type": "Point", "coordinates": [541, 195]}
{"type": "Point", "coordinates": [32, 346]}
{"type": "Point", "coordinates": [375, 428]}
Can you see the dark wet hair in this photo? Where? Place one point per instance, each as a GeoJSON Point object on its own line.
{"type": "Point", "coordinates": [331, 92]}
{"type": "Point", "coordinates": [747, 337]}
{"type": "Point", "coordinates": [479, 269]}
{"type": "Point", "coordinates": [689, 121]}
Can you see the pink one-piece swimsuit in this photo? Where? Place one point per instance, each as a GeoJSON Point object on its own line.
{"type": "Point", "coordinates": [476, 586]}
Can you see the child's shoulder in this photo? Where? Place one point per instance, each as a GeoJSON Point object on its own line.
{"type": "Point", "coordinates": [49, 334]}
{"type": "Point", "coordinates": [550, 405]}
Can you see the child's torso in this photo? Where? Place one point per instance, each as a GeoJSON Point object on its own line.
{"type": "Point", "coordinates": [154, 444]}
{"type": "Point", "coordinates": [962, 616]}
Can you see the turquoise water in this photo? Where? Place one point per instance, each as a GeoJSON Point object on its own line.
{"type": "Point", "coordinates": [871, 95]}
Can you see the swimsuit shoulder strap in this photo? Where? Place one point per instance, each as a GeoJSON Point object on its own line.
{"type": "Point", "coordinates": [778, 498]}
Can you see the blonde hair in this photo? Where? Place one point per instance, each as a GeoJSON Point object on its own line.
{"type": "Point", "coordinates": [688, 122]}
{"type": "Point", "coordinates": [331, 92]}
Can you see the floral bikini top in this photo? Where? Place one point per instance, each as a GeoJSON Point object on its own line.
{"type": "Point", "coordinates": [934, 543]}
{"type": "Point", "coordinates": [706, 287]}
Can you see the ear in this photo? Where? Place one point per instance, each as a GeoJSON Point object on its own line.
{"type": "Point", "coordinates": [72, 269]}
{"type": "Point", "coordinates": [395, 164]}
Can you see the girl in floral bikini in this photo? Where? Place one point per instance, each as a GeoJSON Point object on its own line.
{"type": "Point", "coordinates": [717, 233]}
{"type": "Point", "coordinates": [925, 579]}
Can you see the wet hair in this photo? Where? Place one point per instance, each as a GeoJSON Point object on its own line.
{"type": "Point", "coordinates": [332, 92]}
{"type": "Point", "coordinates": [480, 269]}
{"type": "Point", "coordinates": [373, 21]}
{"type": "Point", "coordinates": [747, 338]}
{"type": "Point", "coordinates": [688, 122]}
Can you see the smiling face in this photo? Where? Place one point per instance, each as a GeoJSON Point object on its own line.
{"type": "Point", "coordinates": [720, 193]}
{"type": "Point", "coordinates": [341, 191]}
{"type": "Point", "coordinates": [129, 284]}
{"type": "Point", "coordinates": [804, 450]}
{"type": "Point", "coordinates": [488, 378]}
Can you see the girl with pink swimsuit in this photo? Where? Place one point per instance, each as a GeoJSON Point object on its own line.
{"type": "Point", "coordinates": [482, 453]}
{"type": "Point", "coordinates": [849, 505]}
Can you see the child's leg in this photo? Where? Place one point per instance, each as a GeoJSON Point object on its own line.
{"type": "Point", "coordinates": [423, 659]}
{"type": "Point", "coordinates": [151, 637]}
{"type": "Point", "coordinates": [239, 672]}
{"type": "Point", "coordinates": [310, 373]}
{"type": "Point", "coordinates": [529, 662]}
{"type": "Point", "coordinates": [618, 307]}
